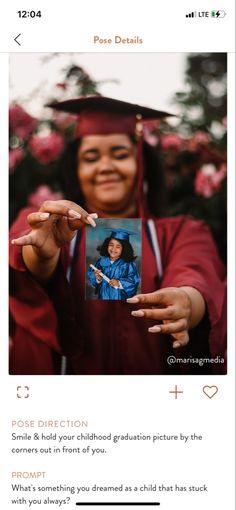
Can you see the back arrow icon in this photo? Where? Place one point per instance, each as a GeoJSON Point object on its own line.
{"type": "Point", "coordinates": [17, 38]}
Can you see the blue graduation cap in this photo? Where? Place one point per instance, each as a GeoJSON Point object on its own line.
{"type": "Point", "coordinates": [121, 234]}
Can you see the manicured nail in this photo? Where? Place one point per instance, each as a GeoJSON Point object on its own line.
{"type": "Point", "coordinates": [19, 241]}
{"type": "Point", "coordinates": [138, 313]}
{"type": "Point", "coordinates": [44, 215]}
{"type": "Point", "coordinates": [74, 214]}
{"type": "Point", "coordinates": [91, 221]}
{"type": "Point", "coordinates": [93, 215]}
{"type": "Point", "coordinates": [176, 345]}
{"type": "Point", "coordinates": [154, 329]}
{"type": "Point", "coordinates": [132, 300]}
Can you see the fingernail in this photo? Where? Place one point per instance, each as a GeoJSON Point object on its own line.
{"type": "Point", "coordinates": [132, 300]}
{"type": "Point", "coordinates": [137, 313]}
{"type": "Point", "coordinates": [176, 345]}
{"type": "Point", "coordinates": [74, 214]}
{"type": "Point", "coordinates": [44, 215]}
{"type": "Point", "coordinates": [91, 221]}
{"type": "Point", "coordinates": [93, 215]}
{"type": "Point", "coordinates": [13, 241]}
{"type": "Point", "coordinates": [154, 329]}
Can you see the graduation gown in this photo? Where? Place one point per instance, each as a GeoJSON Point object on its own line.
{"type": "Point", "coordinates": [125, 272]}
{"type": "Point", "coordinates": [101, 337]}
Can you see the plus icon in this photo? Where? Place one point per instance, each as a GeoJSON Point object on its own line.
{"type": "Point", "coordinates": [176, 392]}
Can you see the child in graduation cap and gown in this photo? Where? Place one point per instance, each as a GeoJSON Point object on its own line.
{"type": "Point", "coordinates": [117, 264]}
{"type": "Point", "coordinates": [181, 309]}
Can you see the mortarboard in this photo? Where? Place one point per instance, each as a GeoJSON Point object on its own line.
{"type": "Point", "coordinates": [99, 115]}
{"type": "Point", "coordinates": [120, 233]}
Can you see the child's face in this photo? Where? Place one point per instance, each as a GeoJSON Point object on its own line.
{"type": "Point", "coordinates": [114, 249]}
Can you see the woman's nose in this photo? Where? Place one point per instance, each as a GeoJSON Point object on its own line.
{"type": "Point", "coordinates": [105, 164]}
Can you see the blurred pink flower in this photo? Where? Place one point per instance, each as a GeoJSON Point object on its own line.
{"type": "Point", "coordinates": [171, 141]}
{"type": "Point", "coordinates": [15, 157]}
{"type": "Point", "coordinates": [46, 148]}
{"type": "Point", "coordinates": [62, 85]}
{"type": "Point", "coordinates": [208, 179]}
{"type": "Point", "coordinates": [20, 122]}
{"type": "Point", "coordinates": [224, 122]}
{"type": "Point", "coordinates": [150, 136]}
{"type": "Point", "coordinates": [41, 194]}
{"type": "Point", "coordinates": [64, 120]}
{"type": "Point", "coordinates": [201, 137]}
{"type": "Point", "coordinates": [198, 139]}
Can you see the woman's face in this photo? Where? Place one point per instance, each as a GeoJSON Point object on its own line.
{"type": "Point", "coordinates": [114, 249]}
{"type": "Point", "coordinates": [107, 170]}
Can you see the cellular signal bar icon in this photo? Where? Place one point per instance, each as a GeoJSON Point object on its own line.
{"type": "Point", "coordinates": [191, 14]}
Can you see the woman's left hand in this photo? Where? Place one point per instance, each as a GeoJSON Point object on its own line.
{"type": "Point", "coordinates": [174, 306]}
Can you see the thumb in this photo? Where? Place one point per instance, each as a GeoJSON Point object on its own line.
{"type": "Point", "coordinates": [29, 239]}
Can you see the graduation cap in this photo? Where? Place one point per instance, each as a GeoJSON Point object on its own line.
{"type": "Point", "coordinates": [120, 233]}
{"type": "Point", "coordinates": [99, 115]}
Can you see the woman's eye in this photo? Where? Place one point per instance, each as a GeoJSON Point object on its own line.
{"type": "Point", "coordinates": [121, 155]}
{"type": "Point", "coordinates": [90, 159]}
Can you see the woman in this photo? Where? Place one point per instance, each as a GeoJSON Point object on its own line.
{"type": "Point", "coordinates": [182, 302]}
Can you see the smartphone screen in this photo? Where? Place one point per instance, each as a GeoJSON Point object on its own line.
{"type": "Point", "coordinates": [118, 155]}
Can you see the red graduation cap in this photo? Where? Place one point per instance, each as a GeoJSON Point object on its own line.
{"type": "Point", "coordinates": [99, 115]}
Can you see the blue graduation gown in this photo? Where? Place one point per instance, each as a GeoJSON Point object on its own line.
{"type": "Point", "coordinates": [125, 272]}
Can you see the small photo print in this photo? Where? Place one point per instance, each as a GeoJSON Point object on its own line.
{"type": "Point", "coordinates": [113, 259]}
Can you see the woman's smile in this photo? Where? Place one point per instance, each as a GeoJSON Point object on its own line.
{"type": "Point", "coordinates": [109, 180]}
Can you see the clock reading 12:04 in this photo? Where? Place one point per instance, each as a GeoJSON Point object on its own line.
{"type": "Point", "coordinates": [29, 14]}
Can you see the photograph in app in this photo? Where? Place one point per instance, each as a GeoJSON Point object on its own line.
{"type": "Point", "coordinates": [118, 214]}
{"type": "Point", "coordinates": [115, 273]}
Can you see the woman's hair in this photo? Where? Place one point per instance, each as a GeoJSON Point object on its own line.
{"type": "Point", "coordinates": [127, 253]}
{"type": "Point", "coordinates": [153, 173]}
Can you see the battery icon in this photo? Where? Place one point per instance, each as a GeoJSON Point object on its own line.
{"type": "Point", "coordinates": [218, 14]}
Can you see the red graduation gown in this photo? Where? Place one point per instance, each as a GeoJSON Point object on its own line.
{"type": "Point", "coordinates": [100, 337]}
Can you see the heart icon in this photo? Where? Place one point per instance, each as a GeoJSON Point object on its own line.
{"type": "Point", "coordinates": [210, 391]}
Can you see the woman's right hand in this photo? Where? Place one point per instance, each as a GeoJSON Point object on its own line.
{"type": "Point", "coordinates": [53, 226]}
